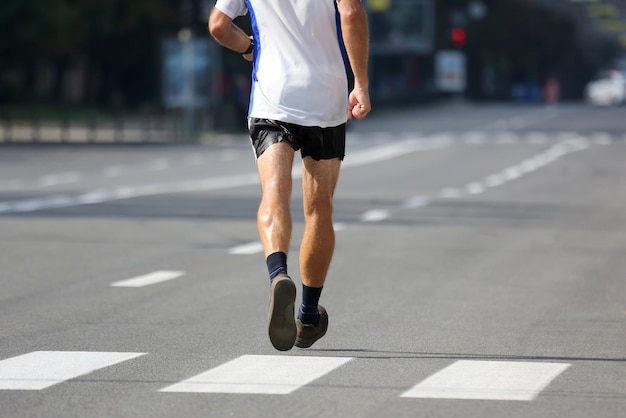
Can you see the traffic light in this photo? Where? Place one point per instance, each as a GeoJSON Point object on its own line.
{"type": "Point", "coordinates": [458, 37]}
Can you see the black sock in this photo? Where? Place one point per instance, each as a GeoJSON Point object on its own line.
{"type": "Point", "coordinates": [309, 314]}
{"type": "Point", "coordinates": [276, 264]}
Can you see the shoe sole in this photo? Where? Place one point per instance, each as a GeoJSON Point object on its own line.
{"type": "Point", "coordinates": [281, 322]}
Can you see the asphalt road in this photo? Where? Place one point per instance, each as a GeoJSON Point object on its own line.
{"type": "Point", "coordinates": [479, 271]}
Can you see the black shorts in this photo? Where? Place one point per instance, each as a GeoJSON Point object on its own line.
{"type": "Point", "coordinates": [312, 141]}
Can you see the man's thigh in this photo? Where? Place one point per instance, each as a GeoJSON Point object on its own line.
{"type": "Point", "coordinates": [319, 179]}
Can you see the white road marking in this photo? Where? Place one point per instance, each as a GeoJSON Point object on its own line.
{"type": "Point", "coordinates": [389, 151]}
{"type": "Point", "coordinates": [28, 205]}
{"type": "Point", "coordinates": [41, 369]}
{"type": "Point", "coordinates": [474, 188]}
{"type": "Point", "coordinates": [375, 215]}
{"type": "Point", "coordinates": [369, 156]}
{"type": "Point", "coordinates": [275, 375]}
{"type": "Point", "coordinates": [338, 226]}
{"type": "Point", "coordinates": [149, 279]}
{"type": "Point", "coordinates": [528, 166]}
{"type": "Point", "coordinates": [515, 172]}
{"type": "Point", "coordinates": [125, 192]}
{"type": "Point", "coordinates": [416, 202]}
{"type": "Point", "coordinates": [511, 173]}
{"type": "Point", "coordinates": [359, 158]}
{"type": "Point", "coordinates": [247, 249]}
{"type": "Point", "coordinates": [94, 196]}
{"type": "Point", "coordinates": [494, 180]}
{"type": "Point", "coordinates": [492, 380]}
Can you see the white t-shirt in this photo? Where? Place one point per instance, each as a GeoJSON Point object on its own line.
{"type": "Point", "coordinates": [299, 71]}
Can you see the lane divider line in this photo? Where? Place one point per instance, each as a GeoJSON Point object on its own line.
{"type": "Point", "coordinates": [375, 215]}
{"type": "Point", "coordinates": [356, 159]}
{"type": "Point", "coordinates": [149, 279]}
{"type": "Point", "coordinates": [247, 249]}
{"type": "Point", "coordinates": [416, 202]}
{"type": "Point", "coordinates": [494, 180]}
{"type": "Point", "coordinates": [474, 188]}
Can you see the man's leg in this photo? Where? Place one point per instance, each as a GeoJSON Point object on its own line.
{"type": "Point", "coordinates": [274, 215]}
{"type": "Point", "coordinates": [274, 223]}
{"type": "Point", "coordinates": [319, 179]}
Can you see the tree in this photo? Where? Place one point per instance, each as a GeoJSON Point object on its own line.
{"type": "Point", "coordinates": [117, 42]}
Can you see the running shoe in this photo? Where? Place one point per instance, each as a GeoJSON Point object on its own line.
{"type": "Point", "coordinates": [281, 321]}
{"type": "Point", "coordinates": [308, 334]}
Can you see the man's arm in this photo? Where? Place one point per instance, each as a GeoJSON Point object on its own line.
{"type": "Point", "coordinates": [227, 34]}
{"type": "Point", "coordinates": [356, 40]}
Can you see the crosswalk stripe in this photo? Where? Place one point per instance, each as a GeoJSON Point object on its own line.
{"type": "Point", "coordinates": [260, 374]}
{"type": "Point", "coordinates": [488, 380]}
{"type": "Point", "coordinates": [41, 369]}
{"type": "Point", "coordinates": [149, 279]}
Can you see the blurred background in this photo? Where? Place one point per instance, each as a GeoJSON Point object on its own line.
{"type": "Point", "coordinates": [116, 70]}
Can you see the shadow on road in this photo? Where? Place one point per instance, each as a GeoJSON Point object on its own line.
{"type": "Point", "coordinates": [378, 354]}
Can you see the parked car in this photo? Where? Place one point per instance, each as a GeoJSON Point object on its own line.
{"type": "Point", "coordinates": [608, 89]}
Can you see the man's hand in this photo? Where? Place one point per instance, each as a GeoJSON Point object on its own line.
{"type": "Point", "coordinates": [359, 103]}
{"type": "Point", "coordinates": [250, 56]}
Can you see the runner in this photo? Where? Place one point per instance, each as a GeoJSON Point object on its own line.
{"type": "Point", "coordinates": [298, 102]}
